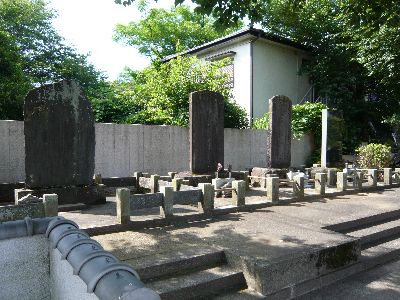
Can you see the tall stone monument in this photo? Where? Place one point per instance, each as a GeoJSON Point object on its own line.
{"type": "Point", "coordinates": [332, 137]}
{"type": "Point", "coordinates": [279, 136]}
{"type": "Point", "coordinates": [206, 131]}
{"type": "Point", "coordinates": [60, 143]}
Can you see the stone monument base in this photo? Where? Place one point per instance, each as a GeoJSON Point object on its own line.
{"type": "Point", "coordinates": [266, 172]}
{"type": "Point", "coordinates": [92, 194]}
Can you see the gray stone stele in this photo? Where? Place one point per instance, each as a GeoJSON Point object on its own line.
{"type": "Point", "coordinates": [206, 131]}
{"type": "Point", "coordinates": [59, 136]}
{"type": "Point", "coordinates": [332, 137]}
{"type": "Point", "coordinates": [279, 136]}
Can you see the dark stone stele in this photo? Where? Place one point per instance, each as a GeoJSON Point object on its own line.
{"type": "Point", "coordinates": [59, 136]}
{"type": "Point", "coordinates": [206, 131]}
{"type": "Point", "coordinates": [332, 137]}
{"type": "Point", "coordinates": [279, 136]}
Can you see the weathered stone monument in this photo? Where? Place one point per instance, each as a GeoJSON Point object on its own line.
{"type": "Point", "coordinates": [60, 143]}
{"type": "Point", "coordinates": [206, 131]}
{"type": "Point", "coordinates": [279, 139]}
{"type": "Point", "coordinates": [332, 137]}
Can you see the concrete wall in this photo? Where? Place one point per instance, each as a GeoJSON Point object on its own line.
{"type": "Point", "coordinates": [64, 284]}
{"type": "Point", "coordinates": [124, 149]}
{"type": "Point", "coordinates": [275, 72]}
{"type": "Point", "coordinates": [24, 268]}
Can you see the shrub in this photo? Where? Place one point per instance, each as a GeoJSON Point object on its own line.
{"type": "Point", "coordinates": [374, 156]}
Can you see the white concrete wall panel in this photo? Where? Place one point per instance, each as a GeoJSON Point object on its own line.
{"type": "Point", "coordinates": [25, 268]}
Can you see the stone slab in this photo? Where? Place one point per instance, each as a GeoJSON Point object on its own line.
{"type": "Point", "coordinates": [20, 212]}
{"type": "Point", "coordinates": [141, 201]}
{"type": "Point", "coordinates": [59, 136]}
{"type": "Point", "coordinates": [206, 131]}
{"type": "Point", "coordinates": [187, 197]}
{"type": "Point", "coordinates": [279, 136]}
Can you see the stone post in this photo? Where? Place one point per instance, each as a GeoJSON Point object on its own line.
{"type": "Point", "coordinates": [298, 186]}
{"type": "Point", "coordinates": [239, 194]}
{"type": "Point", "coordinates": [98, 179]}
{"type": "Point", "coordinates": [246, 179]}
{"type": "Point", "coordinates": [207, 204]}
{"type": "Point", "coordinates": [372, 177]}
{"type": "Point", "coordinates": [123, 205]}
{"type": "Point", "coordinates": [167, 208]}
{"type": "Point", "coordinates": [320, 183]}
{"type": "Point", "coordinates": [358, 179]}
{"type": "Point", "coordinates": [137, 175]}
{"type": "Point", "coordinates": [341, 183]}
{"type": "Point", "coordinates": [397, 175]}
{"type": "Point", "coordinates": [154, 183]}
{"type": "Point", "coordinates": [50, 202]}
{"type": "Point", "coordinates": [332, 177]}
{"type": "Point", "coordinates": [387, 176]}
{"type": "Point", "coordinates": [273, 189]}
{"type": "Point", "coordinates": [176, 184]}
{"type": "Point", "coordinates": [172, 174]}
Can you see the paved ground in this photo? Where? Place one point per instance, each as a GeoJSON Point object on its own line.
{"type": "Point", "coordinates": [381, 283]}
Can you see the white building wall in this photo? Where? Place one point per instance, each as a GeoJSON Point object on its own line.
{"type": "Point", "coordinates": [242, 70]}
{"type": "Point", "coordinates": [123, 149]}
{"type": "Point", "coordinates": [275, 72]}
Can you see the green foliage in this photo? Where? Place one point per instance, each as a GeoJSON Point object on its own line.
{"type": "Point", "coordinates": [306, 118]}
{"type": "Point", "coordinates": [33, 53]}
{"type": "Point", "coordinates": [160, 94]}
{"type": "Point", "coordinates": [374, 156]}
{"type": "Point", "coordinates": [164, 32]}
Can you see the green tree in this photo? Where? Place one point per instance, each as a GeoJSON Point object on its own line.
{"type": "Point", "coordinates": [40, 55]}
{"type": "Point", "coordinates": [164, 32]}
{"type": "Point", "coordinates": [160, 94]}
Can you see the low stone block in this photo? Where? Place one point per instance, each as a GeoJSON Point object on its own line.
{"type": "Point", "coordinates": [298, 186]}
{"type": "Point", "coordinates": [50, 202]}
{"type": "Point", "coordinates": [167, 207]}
{"type": "Point", "coordinates": [372, 177]}
{"type": "Point", "coordinates": [239, 194]}
{"type": "Point", "coordinates": [207, 203]}
{"type": "Point", "coordinates": [358, 179]}
{"type": "Point", "coordinates": [341, 183]}
{"type": "Point", "coordinates": [320, 183]}
{"type": "Point", "coordinates": [176, 184]}
{"type": "Point", "coordinates": [154, 187]}
{"type": "Point", "coordinates": [123, 205]}
{"type": "Point", "coordinates": [387, 176]}
{"type": "Point", "coordinates": [396, 175]}
{"type": "Point", "coordinates": [273, 189]}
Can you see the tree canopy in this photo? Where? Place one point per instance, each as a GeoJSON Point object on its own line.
{"type": "Point", "coordinates": [164, 32]}
{"type": "Point", "coordinates": [33, 53]}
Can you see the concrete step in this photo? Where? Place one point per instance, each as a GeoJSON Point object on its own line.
{"type": "Point", "coordinates": [200, 285]}
{"type": "Point", "coordinates": [354, 225]}
{"type": "Point", "coordinates": [381, 254]}
{"type": "Point", "coordinates": [180, 262]}
{"type": "Point", "coordinates": [378, 234]}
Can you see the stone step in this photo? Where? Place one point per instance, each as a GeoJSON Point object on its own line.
{"type": "Point", "coordinates": [200, 285]}
{"type": "Point", "coordinates": [247, 294]}
{"type": "Point", "coordinates": [180, 262]}
{"type": "Point", "coordinates": [378, 234]}
{"type": "Point", "coordinates": [354, 225]}
{"type": "Point", "coordinates": [381, 254]}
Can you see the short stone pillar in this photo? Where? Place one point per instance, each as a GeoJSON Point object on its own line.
{"type": "Point", "coordinates": [50, 202]}
{"type": "Point", "coordinates": [298, 186]}
{"type": "Point", "coordinates": [273, 189]}
{"type": "Point", "coordinates": [246, 179]}
{"type": "Point", "coordinates": [176, 184]}
{"type": "Point", "coordinates": [387, 176]}
{"type": "Point", "coordinates": [207, 203]}
{"type": "Point", "coordinates": [123, 205]}
{"type": "Point", "coordinates": [239, 194]}
{"type": "Point", "coordinates": [396, 175]}
{"type": "Point", "coordinates": [98, 179]}
{"type": "Point", "coordinates": [167, 207]}
{"type": "Point", "coordinates": [332, 177]}
{"type": "Point", "coordinates": [137, 175]}
{"type": "Point", "coordinates": [358, 179]}
{"type": "Point", "coordinates": [320, 183]}
{"type": "Point", "coordinates": [372, 177]}
{"type": "Point", "coordinates": [154, 183]}
{"type": "Point", "coordinates": [341, 183]}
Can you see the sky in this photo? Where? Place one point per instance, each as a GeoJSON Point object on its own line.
{"type": "Point", "coordinates": [88, 25]}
